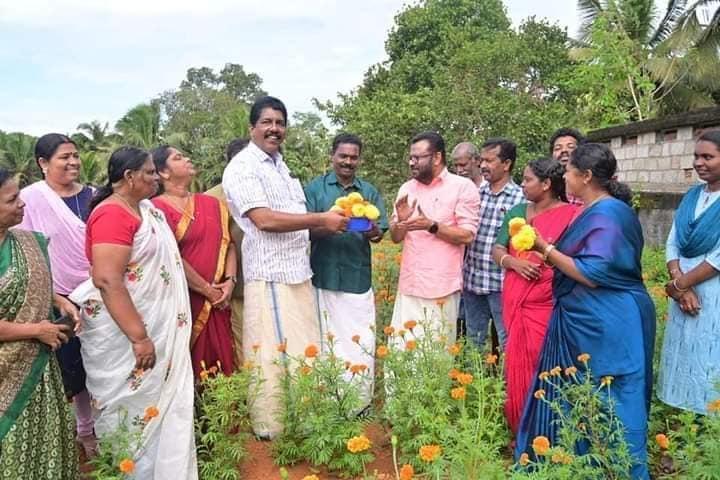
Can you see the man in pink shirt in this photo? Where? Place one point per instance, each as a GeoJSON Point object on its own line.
{"type": "Point", "coordinates": [436, 215]}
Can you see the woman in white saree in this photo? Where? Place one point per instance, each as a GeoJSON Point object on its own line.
{"type": "Point", "coordinates": [136, 315]}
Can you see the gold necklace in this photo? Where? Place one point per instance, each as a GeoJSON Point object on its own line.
{"type": "Point", "coordinates": [181, 208]}
{"type": "Point", "coordinates": [136, 210]}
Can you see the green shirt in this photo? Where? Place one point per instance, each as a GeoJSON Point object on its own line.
{"type": "Point", "coordinates": [503, 236]}
{"type": "Point", "coordinates": [341, 262]}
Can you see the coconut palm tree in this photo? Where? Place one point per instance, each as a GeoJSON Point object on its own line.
{"type": "Point", "coordinates": [94, 136]}
{"type": "Point", "coordinates": [17, 154]}
{"type": "Point", "coordinates": [678, 46]}
{"type": "Point", "coordinates": [140, 126]}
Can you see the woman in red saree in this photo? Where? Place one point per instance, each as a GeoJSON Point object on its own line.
{"type": "Point", "coordinates": [201, 226]}
{"type": "Point", "coordinates": [527, 288]}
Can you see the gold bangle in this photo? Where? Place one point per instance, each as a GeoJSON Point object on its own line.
{"type": "Point", "coordinates": [502, 259]}
{"type": "Point", "coordinates": [546, 252]}
{"type": "Point", "coordinates": [681, 290]}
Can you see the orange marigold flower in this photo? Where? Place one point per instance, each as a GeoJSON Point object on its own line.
{"type": "Point", "coordinates": [524, 459]}
{"type": "Point", "coordinates": [282, 347]}
{"type": "Point", "coordinates": [440, 302]}
{"type": "Point", "coordinates": [359, 368]}
{"type": "Point", "coordinates": [539, 394]}
{"type": "Point", "coordinates": [407, 472]}
{"type": "Point", "coordinates": [465, 378]}
{"type": "Point", "coordinates": [150, 413]}
{"type": "Point", "coordinates": [458, 393]}
{"type": "Point", "coordinates": [398, 258]}
{"type": "Point", "coordinates": [389, 330]}
{"type": "Point", "coordinates": [305, 370]}
{"type": "Point", "coordinates": [256, 347]}
{"type": "Point", "coordinates": [491, 359]}
{"type": "Point", "coordinates": [544, 375]}
{"type": "Point", "coordinates": [584, 357]}
{"type": "Point", "coordinates": [311, 351]}
{"type": "Point", "coordinates": [126, 466]}
{"type": "Point", "coordinates": [430, 453]}
{"type": "Point", "coordinates": [555, 371]}
{"type": "Point", "coordinates": [356, 338]}
{"type": "Point", "coordinates": [410, 324]}
{"type": "Point", "coordinates": [714, 406]}
{"type": "Point", "coordinates": [311, 477]}
{"type": "Point", "coordinates": [663, 441]}
{"type": "Point", "coordinates": [203, 375]}
{"type": "Point", "coordinates": [358, 444]}
{"type": "Point", "coordinates": [540, 445]}
{"type": "Point", "coordinates": [453, 373]}
{"type": "Point", "coordinates": [454, 349]}
{"type": "Point", "coordinates": [382, 351]}
{"type": "Point", "coordinates": [606, 380]}
{"type": "Point", "coordinates": [410, 345]}
{"type": "Point", "coordinates": [570, 371]}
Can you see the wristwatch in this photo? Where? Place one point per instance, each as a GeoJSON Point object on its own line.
{"type": "Point", "coordinates": [434, 228]}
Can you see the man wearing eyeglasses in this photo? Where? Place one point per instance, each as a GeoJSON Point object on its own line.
{"type": "Point", "coordinates": [436, 215]}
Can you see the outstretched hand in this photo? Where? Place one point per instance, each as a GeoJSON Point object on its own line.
{"type": "Point", "coordinates": [418, 222]}
{"type": "Point", "coordinates": [403, 210]}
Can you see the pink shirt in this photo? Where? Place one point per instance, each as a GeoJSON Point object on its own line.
{"type": "Point", "coordinates": [431, 267]}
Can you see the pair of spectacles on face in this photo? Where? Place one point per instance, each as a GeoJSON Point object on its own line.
{"type": "Point", "coordinates": [417, 158]}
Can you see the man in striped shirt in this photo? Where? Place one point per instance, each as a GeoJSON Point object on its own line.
{"type": "Point", "coordinates": [279, 314]}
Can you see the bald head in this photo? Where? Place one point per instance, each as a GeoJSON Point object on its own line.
{"type": "Point", "coordinates": [465, 159]}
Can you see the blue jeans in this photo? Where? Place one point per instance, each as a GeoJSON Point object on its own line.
{"type": "Point", "coordinates": [479, 309]}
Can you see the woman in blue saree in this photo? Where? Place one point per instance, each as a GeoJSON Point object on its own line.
{"type": "Point", "coordinates": [601, 305]}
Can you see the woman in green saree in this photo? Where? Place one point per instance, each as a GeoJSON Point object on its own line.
{"type": "Point", "coordinates": [36, 426]}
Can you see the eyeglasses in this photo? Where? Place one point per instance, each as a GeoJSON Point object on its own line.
{"type": "Point", "coordinates": [416, 158]}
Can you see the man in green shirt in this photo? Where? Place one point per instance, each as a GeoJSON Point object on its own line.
{"type": "Point", "coordinates": [341, 262]}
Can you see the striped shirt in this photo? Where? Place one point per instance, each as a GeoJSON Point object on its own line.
{"type": "Point", "coordinates": [254, 179]}
{"type": "Point", "coordinates": [480, 273]}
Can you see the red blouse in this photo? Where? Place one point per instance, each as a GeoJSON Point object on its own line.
{"type": "Point", "coordinates": [112, 224]}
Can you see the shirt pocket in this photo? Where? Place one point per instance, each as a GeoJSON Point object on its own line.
{"type": "Point", "coordinates": [443, 211]}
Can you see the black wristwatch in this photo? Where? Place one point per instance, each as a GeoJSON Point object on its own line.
{"type": "Point", "coordinates": [434, 228]}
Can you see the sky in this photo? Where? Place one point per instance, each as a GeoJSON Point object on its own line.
{"type": "Point", "coordinates": [64, 62]}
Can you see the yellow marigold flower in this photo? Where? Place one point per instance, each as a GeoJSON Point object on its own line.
{"type": "Point", "coordinates": [311, 351]}
{"type": "Point", "coordinates": [561, 457]}
{"type": "Point", "coordinates": [606, 380]}
{"type": "Point", "coordinates": [540, 393]}
{"type": "Point", "coordinates": [544, 375]}
{"type": "Point", "coordinates": [389, 330]}
{"type": "Point", "coordinates": [524, 459]}
{"type": "Point", "coordinates": [714, 406]}
{"type": "Point", "coordinates": [126, 466]}
{"type": "Point", "coordinates": [453, 373]}
{"type": "Point", "coordinates": [203, 375]}
{"type": "Point", "coordinates": [430, 453]}
{"type": "Point", "coordinates": [410, 345]}
{"type": "Point", "coordinates": [515, 224]}
{"type": "Point", "coordinates": [382, 351]}
{"type": "Point", "coordinates": [407, 472]}
{"type": "Point", "coordinates": [410, 324]}
{"type": "Point", "coordinates": [663, 441]}
{"type": "Point", "coordinates": [491, 359]}
{"type": "Point", "coordinates": [358, 444]}
{"type": "Point", "coordinates": [458, 393]}
{"type": "Point", "coordinates": [356, 339]}
{"type": "Point", "coordinates": [150, 413]}
{"type": "Point", "coordinates": [555, 371]}
{"type": "Point", "coordinates": [311, 477]}
{"type": "Point", "coordinates": [524, 239]}
{"type": "Point", "coordinates": [570, 371]}
{"type": "Point", "coordinates": [454, 349]}
{"type": "Point", "coordinates": [584, 357]}
{"type": "Point", "coordinates": [248, 364]}
{"type": "Point", "coordinates": [465, 378]}
{"type": "Point", "coordinates": [541, 445]}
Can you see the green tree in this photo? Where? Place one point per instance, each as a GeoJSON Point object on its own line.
{"type": "Point", "coordinates": [140, 126]}
{"type": "Point", "coordinates": [307, 146]}
{"type": "Point", "coordinates": [94, 136]}
{"type": "Point", "coordinates": [17, 154]}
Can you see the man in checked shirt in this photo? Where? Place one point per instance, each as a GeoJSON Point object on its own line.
{"type": "Point", "coordinates": [482, 278]}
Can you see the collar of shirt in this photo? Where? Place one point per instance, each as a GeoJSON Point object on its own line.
{"type": "Point", "coordinates": [331, 179]}
{"type": "Point", "coordinates": [263, 155]}
{"type": "Point", "coordinates": [507, 188]}
{"type": "Point", "coordinates": [440, 178]}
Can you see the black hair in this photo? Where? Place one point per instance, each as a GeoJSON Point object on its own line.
{"type": "Point", "coordinates": [5, 175]}
{"type": "Point", "coordinates": [234, 147]}
{"type": "Point", "coordinates": [566, 132]}
{"type": "Point", "coordinates": [123, 159]}
{"type": "Point", "coordinates": [266, 102]}
{"type": "Point", "coordinates": [508, 149]}
{"type": "Point", "coordinates": [437, 144]}
{"type": "Point", "coordinates": [545, 168]}
{"type": "Point", "coordinates": [712, 136]}
{"type": "Point", "coordinates": [47, 145]}
{"type": "Point", "coordinates": [600, 160]}
{"type": "Point", "coordinates": [160, 156]}
{"type": "Point", "coordinates": [343, 137]}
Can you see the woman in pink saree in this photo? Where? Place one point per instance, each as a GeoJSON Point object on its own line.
{"type": "Point", "coordinates": [527, 288]}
